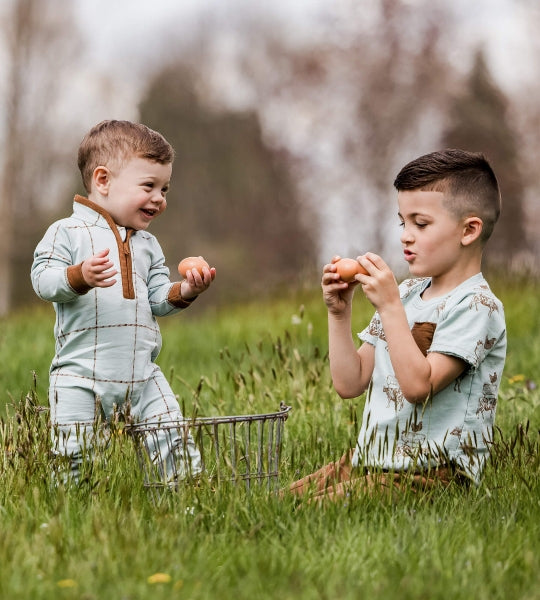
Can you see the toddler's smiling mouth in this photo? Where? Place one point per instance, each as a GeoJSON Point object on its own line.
{"type": "Point", "coordinates": [150, 212]}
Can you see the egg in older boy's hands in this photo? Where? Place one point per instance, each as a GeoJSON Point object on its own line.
{"type": "Point", "coordinates": [347, 268]}
{"type": "Point", "coordinates": [192, 262]}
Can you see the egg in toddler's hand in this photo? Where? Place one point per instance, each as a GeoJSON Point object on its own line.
{"type": "Point", "coordinates": [347, 268]}
{"type": "Point", "coordinates": [192, 262]}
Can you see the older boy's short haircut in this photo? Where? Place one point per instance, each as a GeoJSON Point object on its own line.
{"type": "Point", "coordinates": [111, 143]}
{"type": "Point", "coordinates": [465, 178]}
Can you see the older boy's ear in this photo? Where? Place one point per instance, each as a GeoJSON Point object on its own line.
{"type": "Point", "coordinates": [472, 229]}
{"type": "Point", "coordinates": [101, 178]}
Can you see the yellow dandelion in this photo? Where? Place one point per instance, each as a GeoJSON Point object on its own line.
{"type": "Point", "coordinates": [516, 378]}
{"type": "Point", "coordinates": [66, 583]}
{"type": "Point", "coordinates": [159, 578]}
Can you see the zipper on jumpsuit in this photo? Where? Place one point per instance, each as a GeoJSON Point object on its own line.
{"type": "Point", "coordinates": [124, 253]}
{"type": "Point", "coordinates": [124, 249]}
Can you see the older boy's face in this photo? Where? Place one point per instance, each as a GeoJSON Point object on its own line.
{"type": "Point", "coordinates": [431, 236]}
{"type": "Point", "coordinates": [137, 192]}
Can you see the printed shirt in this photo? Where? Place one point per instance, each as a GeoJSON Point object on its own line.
{"type": "Point", "coordinates": [456, 424]}
{"type": "Point", "coordinates": [108, 334]}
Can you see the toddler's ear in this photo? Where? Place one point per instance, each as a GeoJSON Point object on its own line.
{"type": "Point", "coordinates": [472, 229]}
{"type": "Point", "coordinates": [101, 178]}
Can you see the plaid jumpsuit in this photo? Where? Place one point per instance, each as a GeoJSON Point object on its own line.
{"type": "Point", "coordinates": [107, 339]}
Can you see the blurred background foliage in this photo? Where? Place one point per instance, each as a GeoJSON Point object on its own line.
{"type": "Point", "coordinates": [288, 136]}
{"type": "Point", "coordinates": [232, 199]}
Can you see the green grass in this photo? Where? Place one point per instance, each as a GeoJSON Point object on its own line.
{"type": "Point", "coordinates": [106, 538]}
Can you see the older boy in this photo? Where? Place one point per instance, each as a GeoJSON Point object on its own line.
{"type": "Point", "coordinates": [434, 351]}
{"type": "Point", "coordinates": [107, 279]}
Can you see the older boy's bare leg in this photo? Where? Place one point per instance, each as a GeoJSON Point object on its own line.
{"type": "Point", "coordinates": [377, 484]}
{"type": "Point", "coordinates": [384, 484]}
{"type": "Point", "coordinates": [326, 477]}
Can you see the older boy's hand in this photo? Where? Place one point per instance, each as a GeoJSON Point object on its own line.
{"type": "Point", "coordinates": [196, 283]}
{"type": "Point", "coordinates": [337, 294]}
{"type": "Point", "coordinates": [98, 270]}
{"type": "Point", "coordinates": [379, 286]}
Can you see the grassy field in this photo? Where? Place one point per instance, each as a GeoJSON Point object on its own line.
{"type": "Point", "coordinates": [111, 538]}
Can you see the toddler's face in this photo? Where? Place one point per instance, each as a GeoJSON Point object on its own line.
{"type": "Point", "coordinates": [137, 192]}
{"type": "Point", "coordinates": [431, 235]}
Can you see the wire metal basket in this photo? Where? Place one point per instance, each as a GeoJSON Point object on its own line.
{"type": "Point", "coordinates": [239, 448]}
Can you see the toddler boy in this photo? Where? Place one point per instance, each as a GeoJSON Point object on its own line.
{"type": "Point", "coordinates": [107, 279]}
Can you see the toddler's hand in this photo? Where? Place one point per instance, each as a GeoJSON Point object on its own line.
{"type": "Point", "coordinates": [195, 283]}
{"type": "Point", "coordinates": [98, 270]}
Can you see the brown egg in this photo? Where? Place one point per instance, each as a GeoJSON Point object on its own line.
{"type": "Point", "coordinates": [347, 268]}
{"type": "Point", "coordinates": [192, 262]}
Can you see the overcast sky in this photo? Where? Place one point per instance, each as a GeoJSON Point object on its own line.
{"type": "Point", "coordinates": [137, 26]}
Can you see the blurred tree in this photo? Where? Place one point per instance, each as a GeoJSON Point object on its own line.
{"type": "Point", "coordinates": [350, 106]}
{"type": "Point", "coordinates": [525, 114]}
{"type": "Point", "coordinates": [232, 200]}
{"type": "Point", "coordinates": [38, 40]}
{"type": "Point", "coordinates": [401, 91]}
{"type": "Point", "coordinates": [479, 122]}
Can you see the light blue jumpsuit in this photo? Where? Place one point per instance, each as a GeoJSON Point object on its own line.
{"type": "Point", "coordinates": [107, 339]}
